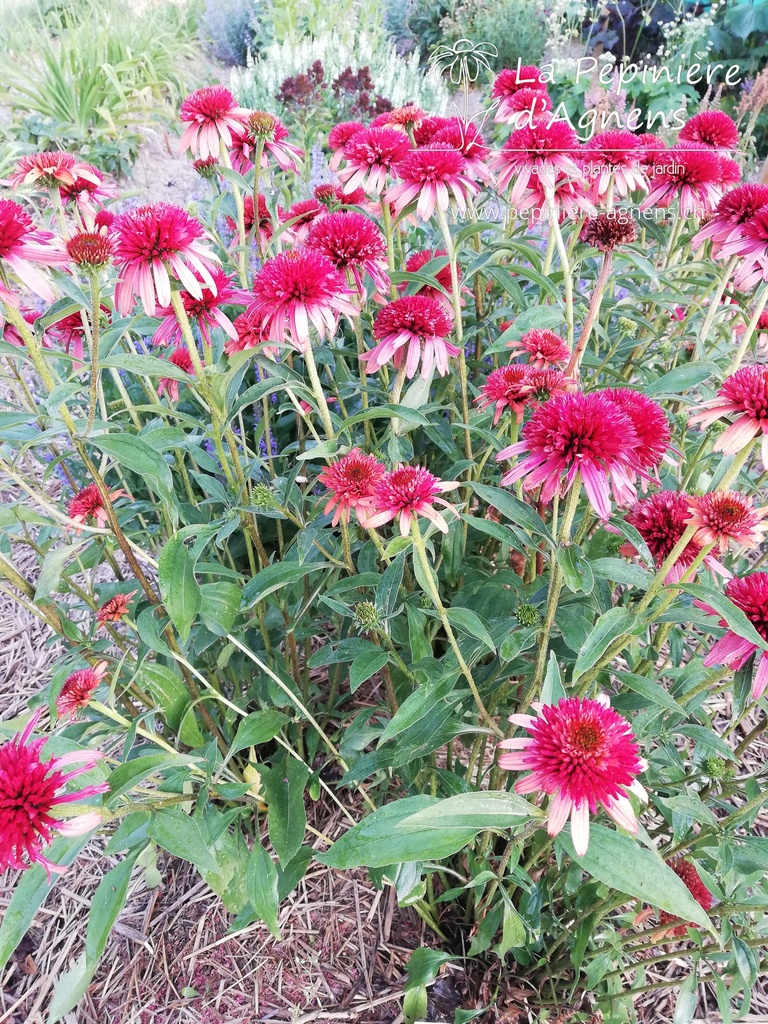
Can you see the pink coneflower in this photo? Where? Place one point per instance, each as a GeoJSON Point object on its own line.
{"type": "Point", "coordinates": [607, 231]}
{"type": "Point", "coordinates": [509, 83]}
{"type": "Point", "coordinates": [650, 423]}
{"type": "Point", "coordinates": [211, 116]}
{"type": "Point", "coordinates": [90, 249]}
{"type": "Point", "coordinates": [751, 242]}
{"type": "Point", "coordinates": [51, 170]}
{"type": "Point", "coordinates": [685, 870]}
{"type": "Point", "coordinates": [690, 174]}
{"type": "Point", "coordinates": [11, 332]}
{"type": "Point", "coordinates": [433, 176]}
{"type": "Point", "coordinates": [571, 201]}
{"type": "Point", "coordinates": [204, 310]}
{"type": "Point", "coordinates": [746, 393]}
{"type": "Point", "coordinates": [615, 157]}
{"type": "Point", "coordinates": [750, 595]}
{"type": "Point", "coordinates": [252, 329]}
{"type": "Point", "coordinates": [428, 128]}
{"type": "Point", "coordinates": [416, 327]}
{"type": "Point", "coordinates": [414, 264]}
{"type": "Point", "coordinates": [724, 516]}
{"type": "Point", "coordinates": [78, 689]}
{"type": "Point", "coordinates": [333, 196]}
{"type": "Point", "coordinates": [711, 128]}
{"type": "Point", "coordinates": [352, 482]}
{"type": "Point", "coordinates": [576, 433]}
{"type": "Point", "coordinates": [466, 138]}
{"type": "Point", "coordinates": [542, 384]}
{"type": "Point", "coordinates": [87, 504]}
{"type": "Point", "coordinates": [661, 520]}
{"type": "Point", "coordinates": [22, 245]}
{"type": "Point", "coordinates": [353, 242]}
{"type": "Point", "coordinates": [735, 209]}
{"type": "Point", "coordinates": [31, 790]}
{"type": "Point", "coordinates": [406, 492]}
{"type": "Point", "coordinates": [181, 359]}
{"type": "Point", "coordinates": [115, 608]}
{"type": "Point", "coordinates": [339, 136]}
{"type": "Point", "coordinates": [148, 242]}
{"type": "Point", "coordinates": [299, 288]}
{"type": "Point", "coordinates": [208, 168]}
{"type": "Point", "coordinates": [269, 129]}
{"type": "Point", "coordinates": [505, 388]}
{"type": "Point", "coordinates": [302, 215]}
{"type": "Point", "coordinates": [651, 149]}
{"type": "Point", "coordinates": [88, 193]}
{"type": "Point", "coordinates": [69, 332]}
{"type": "Point", "coordinates": [541, 348]}
{"type": "Point", "coordinates": [582, 754]}
{"type": "Point", "coordinates": [537, 152]}
{"type": "Point", "coordinates": [265, 220]}
{"type": "Point", "coordinates": [730, 173]}
{"type": "Point", "coordinates": [371, 155]}
{"type": "Point", "coordinates": [524, 105]}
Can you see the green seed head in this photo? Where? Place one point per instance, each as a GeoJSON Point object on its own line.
{"type": "Point", "coordinates": [627, 327]}
{"type": "Point", "coordinates": [527, 615]}
{"type": "Point", "coordinates": [367, 617]}
{"type": "Point", "coordinates": [263, 497]}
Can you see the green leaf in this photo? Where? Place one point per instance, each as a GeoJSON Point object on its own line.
{"type": "Point", "coordinates": [286, 818]}
{"type": "Point", "coordinates": [553, 690]}
{"type": "Point", "coordinates": [615, 623]}
{"type": "Point", "coordinates": [649, 688]}
{"type": "Point", "coordinates": [681, 379]}
{"type": "Point", "coordinates": [577, 571]}
{"type": "Point", "coordinates": [618, 571]}
{"type": "Point", "coordinates": [377, 842]}
{"type": "Point", "coordinates": [467, 621]}
{"type": "Point", "coordinates": [691, 806]}
{"type": "Point", "coordinates": [127, 775]}
{"type": "Point", "coordinates": [30, 892]}
{"type": "Point", "coordinates": [477, 810]}
{"type": "Point", "coordinates": [262, 888]}
{"type": "Point", "coordinates": [275, 577]}
{"type": "Point", "coordinates": [687, 998]}
{"type": "Point", "coordinates": [622, 864]}
{"type": "Point", "coordinates": [108, 900]}
{"type": "Point", "coordinates": [514, 510]}
{"type": "Point", "coordinates": [169, 690]}
{"type": "Point", "coordinates": [52, 569]}
{"type": "Point", "coordinates": [365, 666]}
{"type": "Point", "coordinates": [257, 728]}
{"type": "Point", "coordinates": [136, 455]}
{"type": "Point", "coordinates": [735, 617]}
{"type": "Point", "coordinates": [180, 835]}
{"type": "Point", "coordinates": [179, 589]}
{"type": "Point", "coordinates": [219, 607]}
{"type": "Point", "coordinates": [512, 931]}
{"type": "Point", "coordinates": [389, 585]}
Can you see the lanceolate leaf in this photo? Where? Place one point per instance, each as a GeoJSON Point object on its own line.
{"type": "Point", "coordinates": [180, 590]}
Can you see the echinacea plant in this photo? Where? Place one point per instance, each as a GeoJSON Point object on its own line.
{"type": "Point", "coordinates": [434, 497]}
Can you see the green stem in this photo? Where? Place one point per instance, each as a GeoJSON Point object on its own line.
{"type": "Point", "coordinates": [757, 313]}
{"type": "Point", "coordinates": [94, 386]}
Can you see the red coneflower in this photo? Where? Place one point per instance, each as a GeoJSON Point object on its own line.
{"type": "Point", "coordinates": [651, 148]}
{"type": "Point", "coordinates": [746, 393]}
{"type": "Point", "coordinates": [433, 176]}
{"type": "Point", "coordinates": [270, 130]}
{"type": "Point", "coordinates": [582, 754]}
{"type": "Point", "coordinates": [31, 790]}
{"type": "Point", "coordinates": [542, 348]}
{"type": "Point", "coordinates": [735, 209]}
{"type": "Point", "coordinates": [204, 310]}
{"type": "Point", "coordinates": [509, 83]}
{"type": "Point", "coordinates": [685, 870]}
{"type": "Point", "coordinates": [149, 241]}
{"type": "Point", "coordinates": [537, 152]}
{"type": "Point", "coordinates": [115, 608]}
{"type": "Point", "coordinates": [333, 196]}
{"type": "Point", "coordinates": [576, 433]}
{"type": "Point", "coordinates": [689, 173]}
{"type": "Point", "coordinates": [615, 157]}
{"type": "Point", "coordinates": [22, 245]}
{"type": "Point", "coordinates": [711, 128]}
{"type": "Point", "coordinates": [252, 329]}
{"type": "Point", "coordinates": [87, 504]}
{"type": "Point", "coordinates": [211, 115]}
{"type": "Point", "coordinates": [466, 137]}
{"type": "Point", "coordinates": [542, 384]}
{"type": "Point", "coordinates": [299, 288]}
{"type": "Point", "coordinates": [90, 249]}
{"type": "Point", "coordinates": [353, 242]}
{"type": "Point", "coordinates": [750, 594]}
{"type": "Point", "coordinates": [428, 128]}
{"type": "Point", "coordinates": [208, 168]}
{"type": "Point", "coordinates": [351, 482]}
{"type": "Point", "coordinates": [406, 492]}
{"type": "Point", "coordinates": [69, 332]}
{"type": "Point", "coordinates": [371, 155]}
{"type": "Point", "coordinates": [505, 388]}
{"type": "Point", "coordinates": [661, 520]}
{"type": "Point", "coordinates": [405, 119]}
{"type": "Point", "coordinates": [265, 220]}
{"type": "Point", "coordinates": [724, 516]}
{"type": "Point", "coordinates": [181, 359]}
{"type": "Point", "coordinates": [52, 170]}
{"type": "Point", "coordinates": [730, 173]}
{"type": "Point", "coordinates": [416, 327]}
{"type": "Point", "coordinates": [607, 231]}
{"type": "Point", "coordinates": [78, 689]}
{"type": "Point", "coordinates": [650, 423]}
{"type": "Point", "coordinates": [416, 261]}
{"type": "Point", "coordinates": [302, 214]}
{"type": "Point", "coordinates": [339, 136]}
